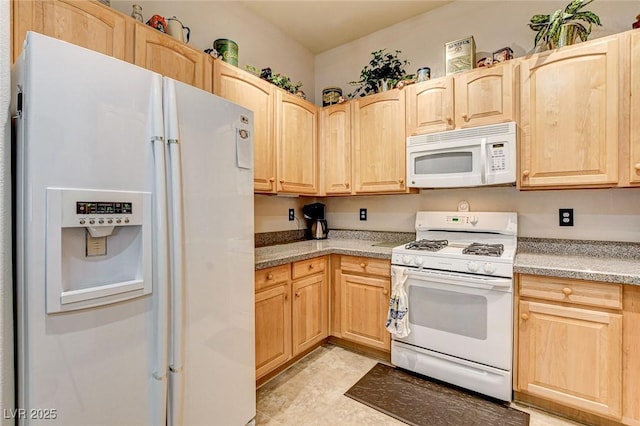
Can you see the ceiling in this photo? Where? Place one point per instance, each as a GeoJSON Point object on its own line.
{"type": "Point", "coordinates": [323, 25]}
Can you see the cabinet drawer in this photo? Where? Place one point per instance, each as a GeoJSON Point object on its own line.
{"type": "Point", "coordinates": [366, 265]}
{"type": "Point", "coordinates": [308, 267]}
{"type": "Point", "coordinates": [266, 278]}
{"type": "Point", "coordinates": [580, 292]}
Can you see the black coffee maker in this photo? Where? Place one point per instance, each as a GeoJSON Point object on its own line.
{"type": "Point", "coordinates": [314, 213]}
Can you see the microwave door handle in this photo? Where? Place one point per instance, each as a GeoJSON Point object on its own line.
{"type": "Point", "coordinates": [483, 160]}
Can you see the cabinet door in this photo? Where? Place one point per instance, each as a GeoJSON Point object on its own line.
{"type": "Point", "coordinates": [165, 55]}
{"type": "Point", "coordinates": [273, 328]}
{"type": "Point", "coordinates": [310, 312]}
{"type": "Point", "coordinates": [335, 143]}
{"type": "Point", "coordinates": [569, 116]}
{"type": "Point", "coordinates": [257, 95]}
{"type": "Point", "coordinates": [430, 106]}
{"type": "Point", "coordinates": [84, 23]}
{"type": "Point", "coordinates": [572, 356]}
{"type": "Point", "coordinates": [296, 146]}
{"type": "Point", "coordinates": [365, 304]}
{"type": "Point", "coordinates": [633, 161]}
{"type": "Point", "coordinates": [485, 96]}
{"type": "Point", "coordinates": [379, 143]}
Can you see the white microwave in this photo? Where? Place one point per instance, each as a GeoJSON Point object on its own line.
{"type": "Point", "coordinates": [477, 156]}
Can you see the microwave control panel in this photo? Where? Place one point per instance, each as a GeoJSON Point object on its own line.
{"type": "Point", "coordinates": [497, 157]}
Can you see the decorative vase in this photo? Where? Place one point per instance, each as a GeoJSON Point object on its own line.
{"type": "Point", "coordinates": [568, 35]}
{"type": "Point", "coordinates": [383, 85]}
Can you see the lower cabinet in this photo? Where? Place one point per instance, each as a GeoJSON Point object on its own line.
{"type": "Point", "coordinates": [362, 301]}
{"type": "Point", "coordinates": [570, 343]}
{"type": "Point", "coordinates": [287, 325]}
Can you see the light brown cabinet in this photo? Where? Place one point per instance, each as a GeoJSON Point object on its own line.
{"type": "Point", "coordinates": [570, 343]}
{"type": "Point", "coordinates": [478, 97]}
{"type": "Point", "coordinates": [335, 149]}
{"type": "Point", "coordinates": [257, 95]}
{"type": "Point", "coordinates": [630, 163]}
{"type": "Point", "coordinates": [70, 21]}
{"type": "Point", "coordinates": [569, 116]}
{"type": "Point", "coordinates": [292, 313]}
{"type": "Point", "coordinates": [296, 144]}
{"type": "Point", "coordinates": [362, 301]}
{"type": "Point", "coordinates": [379, 151]}
{"type": "Point", "coordinates": [165, 55]}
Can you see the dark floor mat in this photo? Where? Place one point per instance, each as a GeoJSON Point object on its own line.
{"type": "Point", "coordinates": [420, 402]}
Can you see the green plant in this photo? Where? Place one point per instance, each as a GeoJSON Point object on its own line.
{"type": "Point", "coordinates": [549, 27]}
{"type": "Point", "coordinates": [282, 81]}
{"type": "Point", "coordinates": [384, 66]}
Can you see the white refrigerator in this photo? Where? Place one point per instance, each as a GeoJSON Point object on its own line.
{"type": "Point", "coordinates": [134, 245]}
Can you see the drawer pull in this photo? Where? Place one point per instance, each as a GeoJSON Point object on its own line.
{"type": "Point", "coordinates": [311, 266]}
{"type": "Point", "coordinates": [363, 265]}
{"type": "Point", "coordinates": [567, 291]}
{"type": "Point", "coordinates": [524, 316]}
{"type": "Point", "coordinates": [270, 276]}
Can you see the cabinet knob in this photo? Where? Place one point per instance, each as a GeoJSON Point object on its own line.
{"type": "Point", "coordinates": [297, 294]}
{"type": "Point", "coordinates": [401, 181]}
{"type": "Point", "coordinates": [346, 184]}
{"type": "Point", "coordinates": [270, 276]}
{"type": "Point", "coordinates": [311, 266]}
{"type": "Point", "coordinates": [281, 181]}
{"type": "Point", "coordinates": [525, 173]}
{"type": "Point", "coordinates": [363, 265]}
{"type": "Point", "coordinates": [449, 120]}
{"type": "Point", "coordinates": [567, 291]}
{"type": "Point", "coordinates": [524, 316]}
{"type": "Point", "coordinates": [272, 179]}
{"type": "Point", "coordinates": [465, 117]}
{"type": "Point", "coordinates": [286, 296]}
{"type": "Point", "coordinates": [385, 291]}
{"type": "Point", "coordinates": [637, 166]}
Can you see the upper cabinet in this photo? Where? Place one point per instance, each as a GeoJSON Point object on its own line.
{"type": "Point", "coordinates": [379, 143]}
{"type": "Point", "coordinates": [473, 98]}
{"type": "Point", "coordinates": [631, 162]}
{"type": "Point", "coordinates": [165, 55]}
{"type": "Point", "coordinates": [335, 149]}
{"type": "Point", "coordinates": [87, 24]}
{"type": "Point", "coordinates": [569, 116]}
{"type": "Point", "coordinates": [257, 95]}
{"type": "Point", "coordinates": [296, 144]}
{"type": "Point", "coordinates": [485, 96]}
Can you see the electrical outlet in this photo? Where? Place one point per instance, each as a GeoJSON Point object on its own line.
{"type": "Point", "coordinates": [292, 214]}
{"type": "Point", "coordinates": [363, 214]}
{"type": "Point", "coordinates": [565, 217]}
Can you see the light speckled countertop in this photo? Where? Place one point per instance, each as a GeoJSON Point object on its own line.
{"type": "Point", "coordinates": [588, 260]}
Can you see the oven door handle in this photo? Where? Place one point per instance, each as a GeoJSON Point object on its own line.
{"type": "Point", "coordinates": [460, 280]}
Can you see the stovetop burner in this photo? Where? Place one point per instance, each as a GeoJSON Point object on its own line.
{"type": "Point", "coordinates": [428, 245]}
{"type": "Point", "coordinates": [481, 249]}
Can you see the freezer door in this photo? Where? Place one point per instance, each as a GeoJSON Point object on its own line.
{"type": "Point", "coordinates": [213, 356]}
{"type": "Point", "coordinates": [86, 131]}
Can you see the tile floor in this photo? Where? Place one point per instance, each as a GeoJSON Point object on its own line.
{"type": "Point", "coordinates": [311, 392]}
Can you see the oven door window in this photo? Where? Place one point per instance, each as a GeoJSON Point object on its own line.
{"type": "Point", "coordinates": [450, 312]}
{"type": "Point", "coordinates": [443, 163]}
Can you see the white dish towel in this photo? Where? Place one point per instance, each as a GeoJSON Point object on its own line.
{"type": "Point", "coordinates": [398, 318]}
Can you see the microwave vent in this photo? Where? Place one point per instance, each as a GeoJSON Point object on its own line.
{"type": "Point", "coordinates": [474, 132]}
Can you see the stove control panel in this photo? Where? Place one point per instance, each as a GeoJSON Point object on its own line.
{"type": "Point", "coordinates": [462, 219]}
{"type": "Point", "coordinates": [476, 266]}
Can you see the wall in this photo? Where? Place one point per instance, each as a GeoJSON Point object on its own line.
{"type": "Point", "coordinates": [599, 214]}
{"type": "Point", "coordinates": [6, 298]}
{"type": "Point", "coordinates": [272, 212]}
{"type": "Point", "coordinates": [260, 44]}
{"type": "Point", "coordinates": [493, 24]}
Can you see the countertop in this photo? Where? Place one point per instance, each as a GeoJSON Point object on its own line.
{"type": "Point", "coordinates": [612, 262]}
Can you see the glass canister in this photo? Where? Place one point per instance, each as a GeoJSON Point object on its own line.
{"type": "Point", "coordinates": [423, 74]}
{"type": "Point", "coordinates": [136, 13]}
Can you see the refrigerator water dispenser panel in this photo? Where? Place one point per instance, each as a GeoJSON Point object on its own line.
{"type": "Point", "coordinates": [98, 248]}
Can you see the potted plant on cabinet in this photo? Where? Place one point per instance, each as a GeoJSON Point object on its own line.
{"type": "Point", "coordinates": [564, 26]}
{"type": "Point", "coordinates": [383, 72]}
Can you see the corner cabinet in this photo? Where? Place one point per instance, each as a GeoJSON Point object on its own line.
{"type": "Point", "coordinates": [257, 95]}
{"type": "Point", "coordinates": [569, 116]}
{"type": "Point", "coordinates": [379, 143]}
{"type": "Point", "coordinates": [570, 343]}
{"type": "Point", "coordinates": [296, 145]}
{"type": "Point", "coordinates": [70, 21]}
{"type": "Point", "coordinates": [165, 55]}
{"type": "Point", "coordinates": [335, 149]}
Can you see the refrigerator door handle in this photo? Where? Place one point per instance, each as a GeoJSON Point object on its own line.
{"type": "Point", "coordinates": [174, 176]}
{"type": "Point", "coordinates": [161, 258]}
